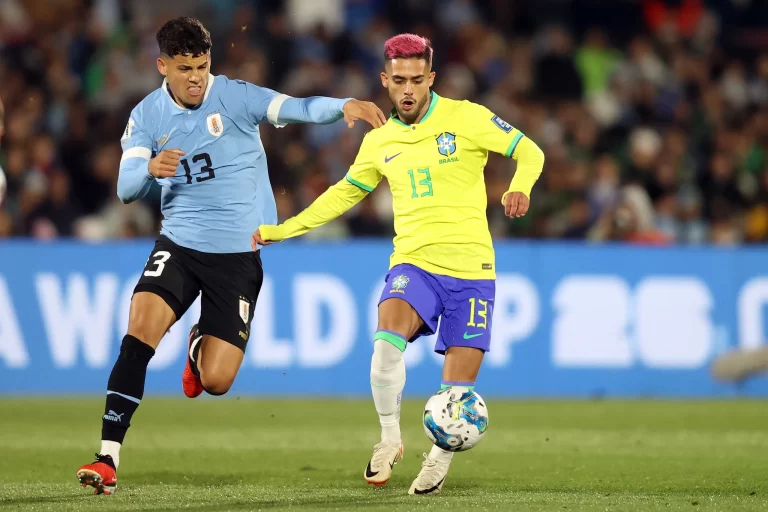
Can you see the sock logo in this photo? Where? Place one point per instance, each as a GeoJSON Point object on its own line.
{"type": "Point", "coordinates": [113, 416]}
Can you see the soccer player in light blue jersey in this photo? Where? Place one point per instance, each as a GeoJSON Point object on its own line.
{"type": "Point", "coordinates": [197, 136]}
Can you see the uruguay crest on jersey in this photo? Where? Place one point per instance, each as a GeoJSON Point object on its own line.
{"type": "Point", "coordinates": [215, 125]}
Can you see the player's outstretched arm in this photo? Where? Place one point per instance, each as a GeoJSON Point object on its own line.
{"type": "Point", "coordinates": [530, 162]}
{"type": "Point", "coordinates": [265, 104]}
{"type": "Point", "coordinates": [321, 110]}
{"type": "Point", "coordinates": [333, 203]}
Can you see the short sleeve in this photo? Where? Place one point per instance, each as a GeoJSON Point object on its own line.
{"type": "Point", "coordinates": [136, 141]}
{"type": "Point", "coordinates": [364, 173]}
{"type": "Point", "coordinates": [490, 132]}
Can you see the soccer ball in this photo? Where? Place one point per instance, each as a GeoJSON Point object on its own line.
{"type": "Point", "coordinates": [455, 421]}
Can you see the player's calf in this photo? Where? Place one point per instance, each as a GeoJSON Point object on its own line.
{"type": "Point", "coordinates": [150, 317]}
{"type": "Point", "coordinates": [398, 322]}
{"type": "Point", "coordinates": [460, 369]}
{"type": "Point", "coordinates": [387, 382]}
{"type": "Point", "coordinates": [125, 389]}
{"type": "Point", "coordinates": [217, 385]}
{"type": "Point", "coordinates": [218, 364]}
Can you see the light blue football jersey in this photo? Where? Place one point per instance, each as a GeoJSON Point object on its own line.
{"type": "Point", "coordinates": [221, 191]}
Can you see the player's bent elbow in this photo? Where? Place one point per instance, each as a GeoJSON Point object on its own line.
{"type": "Point", "coordinates": [128, 192]}
{"type": "Point", "coordinates": [124, 197]}
{"type": "Point", "coordinates": [533, 152]}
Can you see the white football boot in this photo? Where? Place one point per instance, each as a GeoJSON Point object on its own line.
{"type": "Point", "coordinates": [385, 456]}
{"type": "Point", "coordinates": [431, 477]}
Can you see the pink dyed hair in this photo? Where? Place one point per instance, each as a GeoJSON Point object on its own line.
{"type": "Point", "coordinates": [408, 46]}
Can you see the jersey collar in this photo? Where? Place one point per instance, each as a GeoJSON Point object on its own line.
{"type": "Point", "coordinates": [164, 87]}
{"type": "Point", "coordinates": [432, 104]}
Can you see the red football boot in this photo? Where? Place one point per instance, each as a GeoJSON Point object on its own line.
{"type": "Point", "coordinates": [191, 383]}
{"type": "Point", "coordinates": [100, 474]}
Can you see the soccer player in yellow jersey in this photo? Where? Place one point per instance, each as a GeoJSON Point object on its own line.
{"type": "Point", "coordinates": [432, 152]}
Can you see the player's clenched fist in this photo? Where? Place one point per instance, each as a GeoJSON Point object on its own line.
{"type": "Point", "coordinates": [516, 204]}
{"type": "Point", "coordinates": [365, 110]}
{"type": "Point", "coordinates": [165, 163]}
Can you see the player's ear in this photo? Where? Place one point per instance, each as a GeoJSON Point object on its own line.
{"type": "Point", "coordinates": [431, 78]}
{"type": "Point", "coordinates": [161, 66]}
{"type": "Point", "coordinates": [384, 79]}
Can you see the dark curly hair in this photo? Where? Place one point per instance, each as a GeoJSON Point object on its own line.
{"type": "Point", "coordinates": [184, 36]}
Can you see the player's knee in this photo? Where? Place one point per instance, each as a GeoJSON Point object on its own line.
{"type": "Point", "coordinates": [149, 319]}
{"type": "Point", "coordinates": [133, 350]}
{"type": "Point", "coordinates": [407, 327]}
{"type": "Point", "coordinates": [386, 354]}
{"type": "Point", "coordinates": [397, 315]}
{"type": "Point", "coordinates": [387, 358]}
{"type": "Point", "coordinates": [216, 384]}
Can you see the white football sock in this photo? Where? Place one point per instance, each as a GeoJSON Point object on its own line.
{"type": "Point", "coordinates": [111, 448]}
{"type": "Point", "coordinates": [387, 383]}
{"type": "Point", "coordinates": [439, 455]}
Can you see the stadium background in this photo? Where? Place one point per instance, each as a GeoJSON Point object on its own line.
{"type": "Point", "coordinates": [653, 116]}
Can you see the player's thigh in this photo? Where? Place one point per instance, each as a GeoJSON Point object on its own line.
{"type": "Point", "coordinates": [163, 294]}
{"type": "Point", "coordinates": [230, 285]}
{"type": "Point", "coordinates": [468, 315]}
{"type": "Point", "coordinates": [150, 318]}
{"type": "Point", "coordinates": [409, 304]}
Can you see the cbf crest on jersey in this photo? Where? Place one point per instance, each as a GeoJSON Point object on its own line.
{"type": "Point", "coordinates": [446, 143]}
{"type": "Point", "coordinates": [215, 125]}
{"type": "Point", "coordinates": [399, 283]}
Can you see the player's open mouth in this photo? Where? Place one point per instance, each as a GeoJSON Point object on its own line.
{"type": "Point", "coordinates": [407, 104]}
{"type": "Point", "coordinates": [195, 91]}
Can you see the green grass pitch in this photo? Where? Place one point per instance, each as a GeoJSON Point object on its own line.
{"type": "Point", "coordinates": [273, 455]}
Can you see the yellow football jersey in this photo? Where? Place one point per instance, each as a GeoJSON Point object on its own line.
{"type": "Point", "coordinates": [435, 171]}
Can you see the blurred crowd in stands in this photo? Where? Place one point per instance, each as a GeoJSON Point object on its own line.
{"type": "Point", "coordinates": [653, 114]}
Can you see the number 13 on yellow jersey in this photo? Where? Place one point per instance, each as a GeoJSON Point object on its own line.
{"type": "Point", "coordinates": [426, 182]}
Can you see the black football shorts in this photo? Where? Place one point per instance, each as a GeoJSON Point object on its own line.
{"type": "Point", "coordinates": [229, 284]}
